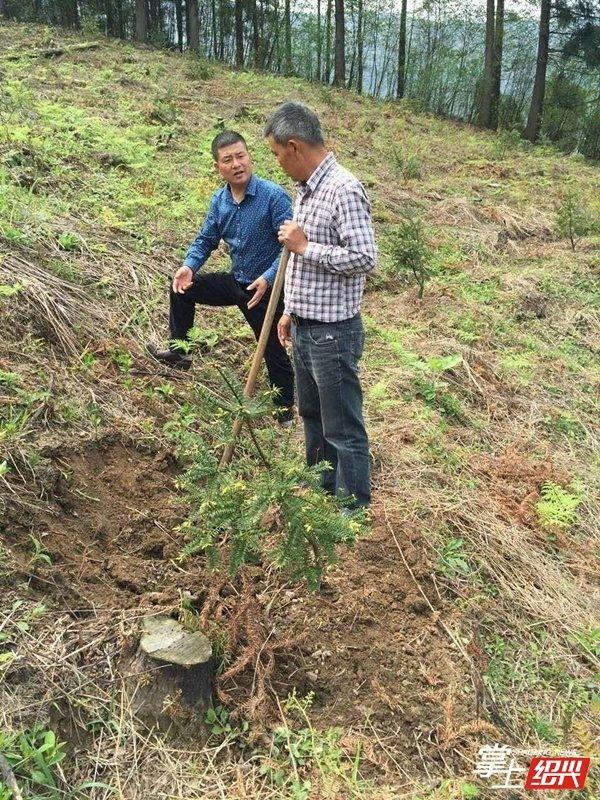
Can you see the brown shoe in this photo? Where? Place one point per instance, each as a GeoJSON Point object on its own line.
{"type": "Point", "coordinates": [170, 358]}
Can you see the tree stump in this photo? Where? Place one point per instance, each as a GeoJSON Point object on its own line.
{"type": "Point", "coordinates": [170, 678]}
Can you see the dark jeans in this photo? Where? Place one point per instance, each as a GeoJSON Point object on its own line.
{"type": "Point", "coordinates": [222, 289]}
{"type": "Point", "coordinates": [326, 359]}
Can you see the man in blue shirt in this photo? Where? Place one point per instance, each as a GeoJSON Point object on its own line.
{"type": "Point", "coordinates": [247, 214]}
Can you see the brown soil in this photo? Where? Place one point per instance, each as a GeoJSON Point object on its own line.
{"type": "Point", "coordinates": [371, 648]}
{"type": "Point", "coordinates": [109, 526]}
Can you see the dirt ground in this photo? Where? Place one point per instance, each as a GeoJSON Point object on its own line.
{"type": "Point", "coordinates": [370, 646]}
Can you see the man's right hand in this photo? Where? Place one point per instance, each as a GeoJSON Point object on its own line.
{"type": "Point", "coordinates": [284, 329]}
{"type": "Point", "coordinates": [182, 280]}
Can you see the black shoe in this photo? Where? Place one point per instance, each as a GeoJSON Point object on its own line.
{"type": "Point", "coordinates": [285, 417]}
{"type": "Point", "coordinates": [170, 358]}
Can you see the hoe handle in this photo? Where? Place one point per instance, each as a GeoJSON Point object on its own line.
{"type": "Point", "coordinates": [260, 351]}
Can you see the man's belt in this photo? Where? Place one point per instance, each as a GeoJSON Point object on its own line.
{"type": "Point", "coordinates": [306, 321]}
{"type": "Point", "coordinates": [300, 321]}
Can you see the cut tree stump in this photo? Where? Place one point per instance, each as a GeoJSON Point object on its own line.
{"type": "Point", "coordinates": [170, 678]}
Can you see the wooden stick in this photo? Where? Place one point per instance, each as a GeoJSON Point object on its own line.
{"type": "Point", "coordinates": [260, 351]}
{"type": "Point", "coordinates": [9, 778]}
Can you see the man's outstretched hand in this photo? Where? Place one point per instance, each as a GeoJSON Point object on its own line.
{"type": "Point", "coordinates": [182, 280]}
{"type": "Point", "coordinates": [259, 287]}
{"type": "Point", "coordinates": [284, 329]}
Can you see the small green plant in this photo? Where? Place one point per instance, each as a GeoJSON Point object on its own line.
{"type": "Point", "coordinates": [14, 235]}
{"type": "Point", "coordinates": [33, 756]}
{"type": "Point", "coordinates": [567, 425]}
{"type": "Point", "coordinates": [198, 339]}
{"type": "Point", "coordinates": [589, 641]}
{"type": "Point", "coordinates": [9, 379]}
{"type": "Point", "coordinates": [409, 166]}
{"type": "Point", "coordinates": [571, 217]}
{"type": "Point", "coordinates": [122, 358]}
{"type": "Point", "coordinates": [543, 728]}
{"type": "Point", "coordinates": [39, 554]}
{"type": "Point", "coordinates": [87, 359]}
{"type": "Point", "coordinates": [557, 507]}
{"type": "Point", "coordinates": [220, 725]}
{"type": "Point", "coordinates": [453, 561]}
{"type": "Point", "coordinates": [69, 241]}
{"type": "Point", "coordinates": [410, 250]}
{"type": "Point", "coordinates": [165, 389]}
{"type": "Point", "coordinates": [10, 289]}
{"type": "Point", "coordinates": [198, 69]}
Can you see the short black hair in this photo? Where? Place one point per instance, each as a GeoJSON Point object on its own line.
{"type": "Point", "coordinates": [224, 139]}
{"type": "Point", "coordinates": [294, 121]}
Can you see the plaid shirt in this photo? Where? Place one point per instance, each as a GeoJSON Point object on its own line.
{"type": "Point", "coordinates": [327, 281]}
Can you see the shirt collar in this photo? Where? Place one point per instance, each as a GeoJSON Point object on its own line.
{"type": "Point", "coordinates": [251, 189]}
{"type": "Point", "coordinates": [319, 173]}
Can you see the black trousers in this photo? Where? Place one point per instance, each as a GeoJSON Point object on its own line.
{"type": "Point", "coordinates": [222, 289]}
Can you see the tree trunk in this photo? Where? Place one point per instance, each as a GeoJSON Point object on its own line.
{"type": "Point", "coordinates": [339, 65]}
{"type": "Point", "coordinates": [179, 22]}
{"type": "Point", "coordinates": [328, 42]}
{"type": "Point", "coordinates": [222, 21]}
{"type": "Point", "coordinates": [239, 34]}
{"type": "Point", "coordinates": [121, 33]}
{"type": "Point", "coordinates": [110, 18]}
{"type": "Point", "coordinates": [360, 46]}
{"type": "Point", "coordinates": [485, 110]}
{"type": "Point", "coordinates": [288, 38]}
{"type": "Point", "coordinates": [319, 40]}
{"type": "Point", "coordinates": [401, 53]}
{"type": "Point", "coordinates": [497, 64]}
{"type": "Point", "coordinates": [71, 14]}
{"type": "Point", "coordinates": [193, 26]}
{"type": "Point", "coordinates": [539, 85]}
{"type": "Point", "coordinates": [141, 21]}
{"type": "Point", "coordinates": [255, 35]}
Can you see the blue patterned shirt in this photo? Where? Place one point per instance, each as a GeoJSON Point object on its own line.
{"type": "Point", "coordinates": [249, 228]}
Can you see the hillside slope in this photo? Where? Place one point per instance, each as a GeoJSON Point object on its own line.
{"type": "Point", "coordinates": [467, 615]}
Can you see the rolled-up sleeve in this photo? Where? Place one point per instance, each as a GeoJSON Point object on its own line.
{"type": "Point", "coordinates": [356, 253]}
{"type": "Point", "coordinates": [206, 241]}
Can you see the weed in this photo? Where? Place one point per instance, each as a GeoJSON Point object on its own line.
{"type": "Point", "coordinates": [566, 425]}
{"type": "Point", "coordinates": [220, 725]}
{"type": "Point", "coordinates": [122, 359]}
{"type": "Point", "coordinates": [9, 379]}
{"type": "Point", "coordinates": [87, 359]}
{"type": "Point", "coordinates": [33, 756]}
{"type": "Point", "coordinates": [435, 394]}
{"type": "Point", "coordinates": [589, 640]}
{"type": "Point", "coordinates": [557, 507]}
{"type": "Point", "coordinates": [409, 166]}
{"type": "Point", "coordinates": [199, 69]}
{"type": "Point", "coordinates": [69, 241]}
{"type": "Point", "coordinates": [453, 561]}
{"type": "Point", "coordinates": [165, 389]}
{"type": "Point", "coordinates": [10, 289]}
{"type": "Point", "coordinates": [542, 728]}
{"type": "Point", "coordinates": [39, 555]}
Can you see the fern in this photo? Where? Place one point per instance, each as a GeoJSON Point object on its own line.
{"type": "Point", "coordinates": [557, 507]}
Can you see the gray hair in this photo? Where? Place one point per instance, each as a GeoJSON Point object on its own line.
{"type": "Point", "coordinates": [294, 121]}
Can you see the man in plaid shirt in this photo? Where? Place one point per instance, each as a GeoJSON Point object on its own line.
{"type": "Point", "coordinates": [333, 249]}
